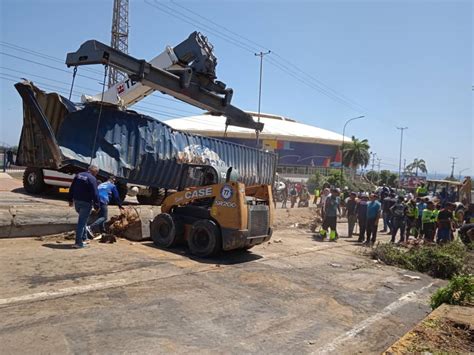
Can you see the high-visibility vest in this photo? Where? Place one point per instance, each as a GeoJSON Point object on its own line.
{"type": "Point", "coordinates": [412, 211]}
{"type": "Point", "coordinates": [434, 215]}
{"type": "Point", "coordinates": [427, 216]}
{"type": "Point", "coordinates": [421, 191]}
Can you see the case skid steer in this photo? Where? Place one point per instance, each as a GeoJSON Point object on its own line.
{"type": "Point", "coordinates": [212, 215]}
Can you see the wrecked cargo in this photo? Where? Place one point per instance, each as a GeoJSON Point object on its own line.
{"type": "Point", "coordinates": [139, 150]}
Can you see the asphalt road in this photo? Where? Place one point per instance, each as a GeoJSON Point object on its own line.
{"type": "Point", "coordinates": [294, 295]}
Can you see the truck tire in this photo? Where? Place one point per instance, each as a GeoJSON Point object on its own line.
{"type": "Point", "coordinates": [205, 238]}
{"type": "Point", "coordinates": [33, 180]}
{"type": "Point", "coordinates": [122, 190]}
{"type": "Point", "coordinates": [156, 197]}
{"type": "Point", "coordinates": [163, 231]}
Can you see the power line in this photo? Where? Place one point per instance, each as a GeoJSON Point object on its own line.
{"type": "Point", "coordinates": [259, 47]}
{"type": "Point", "coordinates": [187, 19]}
{"type": "Point", "coordinates": [42, 55]}
{"type": "Point", "coordinates": [45, 65]}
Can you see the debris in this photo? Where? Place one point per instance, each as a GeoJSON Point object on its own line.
{"type": "Point", "coordinates": [335, 265]}
{"type": "Point", "coordinates": [311, 342]}
{"type": "Point", "coordinates": [108, 238]}
{"type": "Point", "coordinates": [277, 241]}
{"type": "Point", "coordinates": [412, 277]}
{"type": "Point", "coordinates": [126, 225]}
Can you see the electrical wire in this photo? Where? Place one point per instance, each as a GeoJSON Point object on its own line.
{"type": "Point", "coordinates": [317, 85]}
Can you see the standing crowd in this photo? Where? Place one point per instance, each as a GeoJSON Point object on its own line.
{"type": "Point", "coordinates": [402, 216]}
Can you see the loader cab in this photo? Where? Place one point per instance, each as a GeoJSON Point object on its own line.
{"type": "Point", "coordinates": [205, 175]}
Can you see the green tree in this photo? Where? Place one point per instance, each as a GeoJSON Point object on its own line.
{"type": "Point", "coordinates": [315, 181]}
{"type": "Point", "coordinates": [388, 178]}
{"type": "Point", "coordinates": [373, 177]}
{"type": "Point", "coordinates": [356, 153]}
{"type": "Point", "coordinates": [417, 164]}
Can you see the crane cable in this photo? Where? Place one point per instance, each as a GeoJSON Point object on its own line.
{"type": "Point", "coordinates": [100, 112]}
{"type": "Point", "coordinates": [73, 79]}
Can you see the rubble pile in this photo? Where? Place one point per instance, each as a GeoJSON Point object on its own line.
{"type": "Point", "coordinates": [125, 225]}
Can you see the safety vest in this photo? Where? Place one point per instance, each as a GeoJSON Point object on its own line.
{"type": "Point", "coordinates": [316, 192]}
{"type": "Point", "coordinates": [435, 214]}
{"type": "Point", "coordinates": [412, 211]}
{"type": "Point", "coordinates": [421, 191]}
{"type": "Point", "coordinates": [427, 216]}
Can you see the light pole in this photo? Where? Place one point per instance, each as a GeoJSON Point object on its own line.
{"type": "Point", "coordinates": [342, 147]}
{"type": "Point", "coordinates": [261, 55]}
{"type": "Point", "coordinates": [400, 160]}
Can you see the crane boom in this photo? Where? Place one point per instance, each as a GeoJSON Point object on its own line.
{"type": "Point", "coordinates": [186, 72]}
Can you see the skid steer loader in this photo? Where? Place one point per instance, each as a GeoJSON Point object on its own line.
{"type": "Point", "coordinates": [211, 216]}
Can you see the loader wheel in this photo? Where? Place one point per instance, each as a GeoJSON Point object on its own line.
{"type": "Point", "coordinates": [163, 231]}
{"type": "Point", "coordinates": [205, 238]}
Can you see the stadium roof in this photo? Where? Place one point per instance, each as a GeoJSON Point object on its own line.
{"type": "Point", "coordinates": [276, 127]}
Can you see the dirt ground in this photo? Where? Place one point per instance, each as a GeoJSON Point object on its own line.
{"type": "Point", "coordinates": [448, 330]}
{"type": "Point", "coordinates": [294, 294]}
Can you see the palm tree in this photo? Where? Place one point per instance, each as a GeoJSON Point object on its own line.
{"type": "Point", "coordinates": [417, 164]}
{"type": "Point", "coordinates": [356, 153]}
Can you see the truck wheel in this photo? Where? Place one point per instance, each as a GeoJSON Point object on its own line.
{"type": "Point", "coordinates": [163, 231]}
{"type": "Point", "coordinates": [33, 181]}
{"type": "Point", "coordinates": [205, 238]}
{"type": "Point", "coordinates": [156, 197]}
{"type": "Point", "coordinates": [122, 190]}
{"type": "Point", "coordinates": [143, 199]}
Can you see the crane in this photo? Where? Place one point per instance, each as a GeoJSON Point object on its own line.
{"type": "Point", "coordinates": [187, 72]}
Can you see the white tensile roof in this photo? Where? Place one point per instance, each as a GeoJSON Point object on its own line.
{"type": "Point", "coordinates": [275, 127]}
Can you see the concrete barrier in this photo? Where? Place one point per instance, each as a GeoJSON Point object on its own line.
{"type": "Point", "coordinates": [40, 220]}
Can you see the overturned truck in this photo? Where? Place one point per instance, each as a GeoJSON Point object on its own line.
{"type": "Point", "coordinates": [145, 154]}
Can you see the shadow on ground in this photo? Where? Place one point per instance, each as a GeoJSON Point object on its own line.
{"type": "Point", "coordinates": [224, 258]}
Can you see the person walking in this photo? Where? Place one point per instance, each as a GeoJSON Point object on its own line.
{"type": "Point", "coordinates": [361, 212]}
{"type": "Point", "coordinates": [387, 203]}
{"type": "Point", "coordinates": [108, 192]}
{"type": "Point", "coordinates": [351, 208]}
{"type": "Point", "coordinates": [428, 222]}
{"type": "Point", "coordinates": [317, 192]}
{"type": "Point", "coordinates": [399, 219]}
{"type": "Point", "coordinates": [445, 222]}
{"type": "Point", "coordinates": [412, 215]}
{"type": "Point", "coordinates": [293, 196]}
{"type": "Point", "coordinates": [9, 160]}
{"type": "Point", "coordinates": [84, 196]}
{"type": "Point", "coordinates": [421, 205]}
{"type": "Point", "coordinates": [373, 216]}
{"type": "Point", "coordinates": [331, 209]}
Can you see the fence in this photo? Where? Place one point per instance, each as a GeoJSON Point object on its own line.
{"type": "Point", "coordinates": [7, 165]}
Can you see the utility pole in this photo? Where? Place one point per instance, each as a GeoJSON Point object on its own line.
{"type": "Point", "coordinates": [261, 55]}
{"type": "Point", "coordinates": [378, 164]}
{"type": "Point", "coordinates": [400, 160]}
{"type": "Point", "coordinates": [119, 40]}
{"type": "Point", "coordinates": [452, 165]}
{"type": "Point", "coordinates": [373, 159]}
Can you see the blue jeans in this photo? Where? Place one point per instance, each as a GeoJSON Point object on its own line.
{"type": "Point", "coordinates": [101, 219]}
{"type": "Point", "coordinates": [84, 210]}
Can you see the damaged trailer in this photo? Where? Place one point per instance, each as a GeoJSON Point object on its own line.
{"type": "Point", "coordinates": [142, 152]}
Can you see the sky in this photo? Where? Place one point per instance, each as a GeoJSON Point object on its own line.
{"type": "Point", "coordinates": [398, 63]}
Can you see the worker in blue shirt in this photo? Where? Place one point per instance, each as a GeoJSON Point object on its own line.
{"type": "Point", "coordinates": [373, 215]}
{"type": "Point", "coordinates": [107, 192]}
{"type": "Point", "coordinates": [83, 195]}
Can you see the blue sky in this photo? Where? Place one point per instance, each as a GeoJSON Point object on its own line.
{"type": "Point", "coordinates": [399, 63]}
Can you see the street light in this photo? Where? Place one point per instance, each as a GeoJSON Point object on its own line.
{"type": "Point", "coordinates": [343, 138]}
